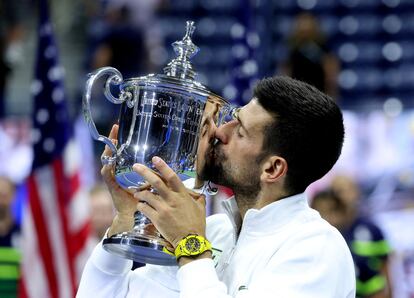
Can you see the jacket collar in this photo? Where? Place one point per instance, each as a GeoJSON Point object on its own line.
{"type": "Point", "coordinates": [268, 219]}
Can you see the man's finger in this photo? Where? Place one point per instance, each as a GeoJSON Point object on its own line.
{"type": "Point", "coordinates": [106, 173]}
{"type": "Point", "coordinates": [201, 199]}
{"type": "Point", "coordinates": [193, 194]}
{"type": "Point", "coordinates": [152, 178]}
{"type": "Point", "coordinates": [109, 179]}
{"type": "Point", "coordinates": [113, 135]}
{"type": "Point", "coordinates": [149, 198]}
{"type": "Point", "coordinates": [148, 211]}
{"type": "Point", "coordinates": [168, 175]}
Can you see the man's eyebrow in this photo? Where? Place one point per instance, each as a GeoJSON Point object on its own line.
{"type": "Point", "coordinates": [237, 116]}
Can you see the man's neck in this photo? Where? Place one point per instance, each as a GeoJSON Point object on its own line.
{"type": "Point", "coordinates": [244, 202]}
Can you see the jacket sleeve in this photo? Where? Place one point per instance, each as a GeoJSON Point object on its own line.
{"type": "Point", "coordinates": [107, 275]}
{"type": "Point", "coordinates": [104, 275]}
{"type": "Point", "coordinates": [306, 268]}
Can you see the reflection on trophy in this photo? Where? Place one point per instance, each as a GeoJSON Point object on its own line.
{"type": "Point", "coordinates": [160, 115]}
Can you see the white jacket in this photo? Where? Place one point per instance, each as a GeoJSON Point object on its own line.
{"type": "Point", "coordinates": [283, 250]}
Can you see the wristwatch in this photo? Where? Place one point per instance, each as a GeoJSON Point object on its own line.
{"type": "Point", "coordinates": [192, 246]}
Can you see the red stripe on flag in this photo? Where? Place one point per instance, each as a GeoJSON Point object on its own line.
{"type": "Point", "coordinates": [81, 237]}
{"type": "Point", "coordinates": [22, 292]}
{"type": "Point", "coordinates": [42, 236]}
{"type": "Point", "coordinates": [74, 182]}
{"type": "Point", "coordinates": [63, 192]}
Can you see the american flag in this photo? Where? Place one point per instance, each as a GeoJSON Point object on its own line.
{"type": "Point", "coordinates": [55, 220]}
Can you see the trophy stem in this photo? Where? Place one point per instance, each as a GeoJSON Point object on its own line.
{"type": "Point", "coordinates": [144, 226]}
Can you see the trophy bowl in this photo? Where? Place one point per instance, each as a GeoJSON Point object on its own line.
{"type": "Point", "coordinates": [160, 115]}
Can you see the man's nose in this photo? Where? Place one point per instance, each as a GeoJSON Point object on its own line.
{"type": "Point", "coordinates": [223, 132]}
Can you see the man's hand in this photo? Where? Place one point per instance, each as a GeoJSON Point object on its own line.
{"type": "Point", "coordinates": [124, 201]}
{"type": "Point", "coordinates": [173, 210]}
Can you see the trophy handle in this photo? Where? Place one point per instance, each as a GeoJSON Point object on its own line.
{"type": "Point", "coordinates": [115, 78]}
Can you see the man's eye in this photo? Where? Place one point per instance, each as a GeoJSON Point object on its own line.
{"type": "Point", "coordinates": [235, 113]}
{"type": "Point", "coordinates": [231, 116]}
{"type": "Point", "coordinates": [238, 133]}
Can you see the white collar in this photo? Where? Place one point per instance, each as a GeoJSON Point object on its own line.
{"type": "Point", "coordinates": [268, 219]}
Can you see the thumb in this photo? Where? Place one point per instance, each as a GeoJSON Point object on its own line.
{"type": "Point", "coordinates": [202, 200]}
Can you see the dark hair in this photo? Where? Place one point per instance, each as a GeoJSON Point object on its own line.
{"type": "Point", "coordinates": [307, 130]}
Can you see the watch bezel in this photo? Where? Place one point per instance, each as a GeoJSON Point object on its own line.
{"type": "Point", "coordinates": [183, 251]}
{"type": "Point", "coordinates": [194, 251]}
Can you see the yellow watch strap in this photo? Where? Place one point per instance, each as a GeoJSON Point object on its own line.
{"type": "Point", "coordinates": [164, 249]}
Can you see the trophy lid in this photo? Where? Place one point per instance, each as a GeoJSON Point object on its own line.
{"type": "Point", "coordinates": [179, 74]}
{"type": "Point", "coordinates": [181, 67]}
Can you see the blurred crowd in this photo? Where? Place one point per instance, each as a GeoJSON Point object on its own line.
{"type": "Point", "coordinates": [340, 205]}
{"type": "Point", "coordinates": [127, 35]}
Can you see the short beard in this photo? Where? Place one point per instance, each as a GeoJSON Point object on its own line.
{"type": "Point", "coordinates": [244, 183]}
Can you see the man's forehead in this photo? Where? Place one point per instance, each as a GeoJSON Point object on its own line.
{"type": "Point", "coordinates": [253, 114]}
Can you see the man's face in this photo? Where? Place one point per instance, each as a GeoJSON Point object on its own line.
{"type": "Point", "coordinates": [234, 159]}
{"type": "Point", "coordinates": [347, 189]}
{"type": "Point", "coordinates": [207, 132]}
{"type": "Point", "coordinates": [330, 212]}
{"type": "Point", "coordinates": [7, 193]}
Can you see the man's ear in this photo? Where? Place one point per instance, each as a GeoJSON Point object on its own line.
{"type": "Point", "coordinates": [273, 169]}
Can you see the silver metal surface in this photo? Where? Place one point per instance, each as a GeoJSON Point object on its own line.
{"type": "Point", "coordinates": [140, 249]}
{"type": "Point", "coordinates": [160, 115]}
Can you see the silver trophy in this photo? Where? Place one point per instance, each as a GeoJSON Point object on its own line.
{"type": "Point", "coordinates": [160, 115]}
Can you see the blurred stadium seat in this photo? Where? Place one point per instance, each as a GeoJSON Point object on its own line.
{"type": "Point", "coordinates": [372, 39]}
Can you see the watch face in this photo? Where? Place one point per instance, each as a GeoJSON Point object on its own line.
{"type": "Point", "coordinates": [192, 245]}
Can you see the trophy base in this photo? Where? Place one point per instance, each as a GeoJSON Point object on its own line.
{"type": "Point", "coordinates": [139, 248]}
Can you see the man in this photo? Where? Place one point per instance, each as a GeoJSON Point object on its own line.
{"type": "Point", "coordinates": [370, 249]}
{"type": "Point", "coordinates": [272, 244]}
{"type": "Point", "coordinates": [309, 58]}
{"type": "Point", "coordinates": [330, 207]}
